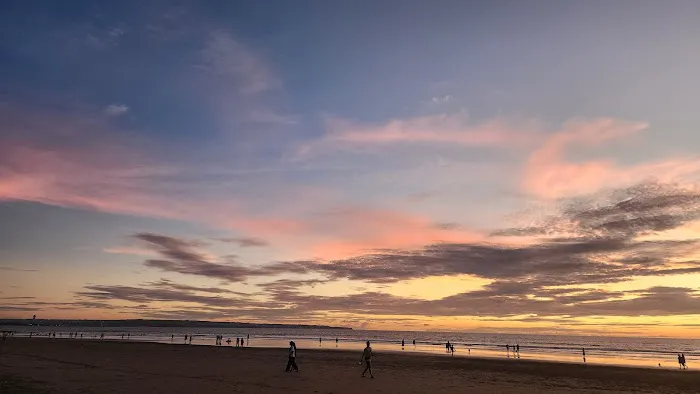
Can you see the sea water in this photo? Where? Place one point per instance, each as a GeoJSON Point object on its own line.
{"type": "Point", "coordinates": [627, 351]}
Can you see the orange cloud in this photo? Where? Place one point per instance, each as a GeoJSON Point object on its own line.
{"type": "Point", "coordinates": [351, 231]}
{"type": "Point", "coordinates": [548, 173]}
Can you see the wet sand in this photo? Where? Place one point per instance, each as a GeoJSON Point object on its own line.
{"type": "Point", "coordinates": [41, 365]}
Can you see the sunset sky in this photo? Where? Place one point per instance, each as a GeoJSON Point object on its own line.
{"type": "Point", "coordinates": [510, 166]}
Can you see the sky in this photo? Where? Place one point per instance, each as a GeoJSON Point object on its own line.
{"type": "Point", "coordinates": [501, 166]}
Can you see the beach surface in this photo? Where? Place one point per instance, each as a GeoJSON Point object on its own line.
{"type": "Point", "coordinates": [42, 365]}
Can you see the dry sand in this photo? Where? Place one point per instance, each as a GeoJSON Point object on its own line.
{"type": "Point", "coordinates": [75, 366]}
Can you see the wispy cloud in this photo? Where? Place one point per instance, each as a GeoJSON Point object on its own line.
{"type": "Point", "coordinates": [116, 109]}
{"type": "Point", "coordinates": [455, 129]}
{"type": "Point", "coordinates": [234, 63]}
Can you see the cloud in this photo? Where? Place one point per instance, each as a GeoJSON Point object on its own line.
{"type": "Point", "coordinates": [3, 268]}
{"type": "Point", "coordinates": [184, 257]}
{"type": "Point", "coordinates": [548, 174]}
{"type": "Point", "coordinates": [116, 109]}
{"type": "Point", "coordinates": [451, 129]}
{"type": "Point", "coordinates": [230, 60]}
{"type": "Point", "coordinates": [246, 242]}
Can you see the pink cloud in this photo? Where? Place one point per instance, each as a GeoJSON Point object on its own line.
{"type": "Point", "coordinates": [453, 129]}
{"type": "Point", "coordinates": [548, 173]}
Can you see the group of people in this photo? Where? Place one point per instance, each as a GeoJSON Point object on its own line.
{"type": "Point", "coordinates": [240, 342]}
{"type": "Point", "coordinates": [681, 361]}
{"type": "Point", "coordinates": [366, 357]}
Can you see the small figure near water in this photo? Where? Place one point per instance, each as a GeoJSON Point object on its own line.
{"type": "Point", "coordinates": [402, 344]}
{"type": "Point", "coordinates": [681, 361]}
{"type": "Point", "coordinates": [583, 351]}
{"type": "Point", "coordinates": [452, 349]}
{"type": "Point", "coordinates": [228, 342]}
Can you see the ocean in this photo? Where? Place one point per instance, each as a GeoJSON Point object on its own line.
{"type": "Point", "coordinates": [626, 351]}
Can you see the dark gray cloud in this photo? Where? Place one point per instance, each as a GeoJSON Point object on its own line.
{"type": "Point", "coordinates": [589, 242]}
{"type": "Point", "coordinates": [3, 268]}
{"type": "Point", "coordinates": [184, 257]}
{"type": "Point", "coordinates": [246, 242]}
{"type": "Point", "coordinates": [166, 284]}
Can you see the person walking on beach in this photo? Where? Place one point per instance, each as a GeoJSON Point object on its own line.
{"type": "Point", "coordinates": [292, 363]}
{"type": "Point", "coordinates": [228, 342]}
{"type": "Point", "coordinates": [583, 351]}
{"type": "Point", "coordinates": [238, 342]}
{"type": "Point", "coordinates": [367, 356]}
{"type": "Point", "coordinates": [402, 344]}
{"type": "Point", "coordinates": [452, 349]}
{"type": "Point", "coordinates": [414, 343]}
{"type": "Point", "coordinates": [336, 341]}
{"type": "Point", "coordinates": [683, 361]}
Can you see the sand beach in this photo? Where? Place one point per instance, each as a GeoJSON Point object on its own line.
{"type": "Point", "coordinates": [42, 365]}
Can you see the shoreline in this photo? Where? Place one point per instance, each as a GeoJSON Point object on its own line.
{"type": "Point", "coordinates": [48, 365]}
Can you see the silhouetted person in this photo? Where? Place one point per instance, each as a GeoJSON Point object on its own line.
{"type": "Point", "coordinates": [447, 347]}
{"type": "Point", "coordinates": [228, 342]}
{"type": "Point", "coordinates": [190, 339]}
{"type": "Point", "coordinates": [242, 342]}
{"type": "Point", "coordinates": [517, 348]}
{"type": "Point", "coordinates": [292, 363]}
{"type": "Point", "coordinates": [367, 356]}
{"type": "Point", "coordinates": [238, 342]}
{"type": "Point", "coordinates": [414, 343]}
{"type": "Point", "coordinates": [319, 341]}
{"type": "Point", "coordinates": [469, 350]}
{"type": "Point", "coordinates": [336, 342]}
{"type": "Point", "coordinates": [128, 336]}
{"type": "Point", "coordinates": [402, 344]}
{"type": "Point", "coordinates": [680, 362]}
{"type": "Point", "coordinates": [248, 337]}
{"type": "Point", "coordinates": [583, 351]}
{"type": "Point", "coordinates": [452, 349]}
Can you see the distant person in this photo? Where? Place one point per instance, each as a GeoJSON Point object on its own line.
{"type": "Point", "coordinates": [248, 337]}
{"type": "Point", "coordinates": [81, 335]}
{"type": "Point", "coordinates": [292, 363]}
{"type": "Point", "coordinates": [402, 344]}
{"type": "Point", "coordinates": [228, 342]}
{"type": "Point", "coordinates": [683, 359]}
{"type": "Point", "coordinates": [469, 351]}
{"type": "Point", "coordinates": [319, 341]}
{"type": "Point", "coordinates": [583, 351]}
{"type": "Point", "coordinates": [414, 343]}
{"type": "Point", "coordinates": [680, 361]}
{"type": "Point", "coordinates": [190, 339]}
{"type": "Point", "coordinates": [517, 348]}
{"type": "Point", "coordinates": [452, 349]}
{"type": "Point", "coordinates": [367, 356]}
{"type": "Point", "coordinates": [238, 342]}
{"type": "Point", "coordinates": [102, 335]}
{"type": "Point", "coordinates": [336, 342]}
{"type": "Point", "coordinates": [242, 342]}
{"type": "Point", "coordinates": [128, 336]}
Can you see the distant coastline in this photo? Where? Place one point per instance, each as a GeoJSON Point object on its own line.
{"type": "Point", "coordinates": [155, 323]}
